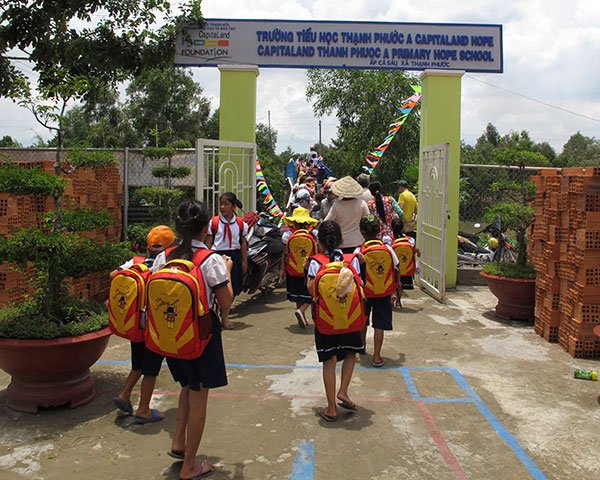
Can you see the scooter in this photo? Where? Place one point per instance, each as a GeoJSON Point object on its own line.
{"type": "Point", "coordinates": [498, 249]}
{"type": "Point", "coordinates": [264, 255]}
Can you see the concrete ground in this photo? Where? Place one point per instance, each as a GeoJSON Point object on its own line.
{"type": "Point", "coordinates": [463, 395]}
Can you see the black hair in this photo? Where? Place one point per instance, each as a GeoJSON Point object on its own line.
{"type": "Point", "coordinates": [231, 198]}
{"type": "Point", "coordinates": [330, 237]}
{"type": "Point", "coordinates": [191, 219]}
{"type": "Point", "coordinates": [369, 224]}
{"type": "Point", "coordinates": [319, 197]}
{"type": "Point", "coordinates": [375, 189]}
{"type": "Point", "coordinates": [397, 227]}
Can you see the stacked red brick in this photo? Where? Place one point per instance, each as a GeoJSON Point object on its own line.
{"type": "Point", "coordinates": [565, 249]}
{"type": "Point", "coordinates": [97, 189]}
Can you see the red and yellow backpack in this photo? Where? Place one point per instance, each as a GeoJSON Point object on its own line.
{"type": "Point", "coordinates": [405, 252]}
{"type": "Point", "coordinates": [380, 272]}
{"type": "Point", "coordinates": [300, 246]}
{"type": "Point", "coordinates": [127, 301]}
{"type": "Point", "coordinates": [335, 315]}
{"type": "Point", "coordinates": [178, 322]}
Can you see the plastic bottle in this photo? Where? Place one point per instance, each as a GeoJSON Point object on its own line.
{"type": "Point", "coordinates": [586, 374]}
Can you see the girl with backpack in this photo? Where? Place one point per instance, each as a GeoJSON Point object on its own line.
{"type": "Point", "coordinates": [226, 235]}
{"type": "Point", "coordinates": [331, 346]}
{"type": "Point", "coordinates": [405, 248]}
{"type": "Point", "coordinates": [384, 207]}
{"type": "Point", "coordinates": [196, 376]}
{"type": "Point", "coordinates": [300, 244]}
{"type": "Point", "coordinates": [381, 281]}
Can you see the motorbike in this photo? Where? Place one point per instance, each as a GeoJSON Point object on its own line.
{"type": "Point", "coordinates": [498, 249]}
{"type": "Point", "coordinates": [264, 254]}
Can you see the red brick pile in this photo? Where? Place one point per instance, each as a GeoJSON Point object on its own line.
{"type": "Point", "coordinates": [98, 189]}
{"type": "Point", "coordinates": [564, 246]}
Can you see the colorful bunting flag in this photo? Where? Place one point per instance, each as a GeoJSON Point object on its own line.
{"type": "Point", "coordinates": [406, 107]}
{"type": "Point", "coordinates": [269, 200]}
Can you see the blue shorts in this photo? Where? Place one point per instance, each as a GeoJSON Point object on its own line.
{"type": "Point", "coordinates": [382, 312]}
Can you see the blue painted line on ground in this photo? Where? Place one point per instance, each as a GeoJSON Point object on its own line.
{"type": "Point", "coordinates": [304, 465]}
{"type": "Point", "coordinates": [508, 438]}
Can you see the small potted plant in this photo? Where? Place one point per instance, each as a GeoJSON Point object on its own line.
{"type": "Point", "coordinates": [513, 283]}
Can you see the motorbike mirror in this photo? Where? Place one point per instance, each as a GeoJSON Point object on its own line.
{"type": "Point", "coordinates": [477, 225]}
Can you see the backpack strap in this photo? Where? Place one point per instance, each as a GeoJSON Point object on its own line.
{"type": "Point", "coordinates": [200, 255]}
{"type": "Point", "coordinates": [240, 223]}
{"type": "Point", "coordinates": [214, 225]}
{"type": "Point", "coordinates": [138, 259]}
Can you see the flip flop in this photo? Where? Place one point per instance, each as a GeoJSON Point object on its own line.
{"type": "Point", "coordinates": [123, 405]}
{"type": "Point", "coordinates": [154, 418]}
{"type": "Point", "coordinates": [177, 455]}
{"type": "Point", "coordinates": [201, 474]}
{"type": "Point", "coordinates": [347, 406]}
{"type": "Point", "coordinates": [326, 417]}
{"type": "Point", "coordinates": [229, 326]}
{"type": "Point", "coordinates": [301, 320]}
{"type": "Point", "coordinates": [379, 364]}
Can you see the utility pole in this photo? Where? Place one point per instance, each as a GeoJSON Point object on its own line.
{"type": "Point", "coordinates": [320, 144]}
{"type": "Point", "coordinates": [269, 120]}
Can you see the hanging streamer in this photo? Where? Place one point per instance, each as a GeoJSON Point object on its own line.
{"type": "Point", "coordinates": [407, 106]}
{"type": "Point", "coordinates": [269, 200]}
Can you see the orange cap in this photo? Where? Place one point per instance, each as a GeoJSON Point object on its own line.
{"type": "Point", "coordinates": [160, 237]}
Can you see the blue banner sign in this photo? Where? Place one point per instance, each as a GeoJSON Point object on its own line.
{"type": "Point", "coordinates": [365, 45]}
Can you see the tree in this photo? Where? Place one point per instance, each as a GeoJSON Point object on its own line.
{"type": "Point", "coordinates": [8, 142]}
{"type": "Point", "coordinates": [580, 151]}
{"type": "Point", "coordinates": [365, 103]}
{"type": "Point", "coordinates": [73, 58]}
{"type": "Point", "coordinates": [100, 122]}
{"type": "Point", "coordinates": [168, 101]}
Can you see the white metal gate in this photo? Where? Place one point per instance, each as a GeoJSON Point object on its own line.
{"type": "Point", "coordinates": [433, 216]}
{"type": "Point", "coordinates": [225, 166]}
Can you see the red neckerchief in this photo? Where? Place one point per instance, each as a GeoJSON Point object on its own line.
{"type": "Point", "coordinates": [227, 229]}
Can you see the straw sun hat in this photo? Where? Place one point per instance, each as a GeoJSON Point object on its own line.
{"type": "Point", "coordinates": [301, 215]}
{"type": "Point", "coordinates": [347, 187]}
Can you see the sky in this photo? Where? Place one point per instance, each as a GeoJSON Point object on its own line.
{"type": "Point", "coordinates": [550, 85]}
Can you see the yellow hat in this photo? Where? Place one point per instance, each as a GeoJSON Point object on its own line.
{"type": "Point", "coordinates": [493, 243]}
{"type": "Point", "coordinates": [160, 237]}
{"type": "Point", "coordinates": [300, 216]}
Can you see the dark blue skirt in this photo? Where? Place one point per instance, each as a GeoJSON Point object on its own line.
{"type": "Point", "coordinates": [208, 370]}
{"type": "Point", "coordinates": [296, 289]}
{"type": "Point", "coordinates": [237, 275]}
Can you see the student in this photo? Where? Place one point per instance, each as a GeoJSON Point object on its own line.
{"type": "Point", "coordinates": [298, 247]}
{"type": "Point", "coordinates": [335, 347]}
{"type": "Point", "coordinates": [226, 235]}
{"type": "Point", "coordinates": [199, 375]}
{"type": "Point", "coordinates": [144, 361]}
{"type": "Point", "coordinates": [381, 281]}
{"type": "Point", "coordinates": [405, 248]}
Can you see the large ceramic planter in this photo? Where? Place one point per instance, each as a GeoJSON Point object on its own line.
{"type": "Point", "coordinates": [47, 373]}
{"type": "Point", "coordinates": [516, 296]}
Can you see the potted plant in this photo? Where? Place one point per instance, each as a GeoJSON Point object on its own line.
{"type": "Point", "coordinates": [72, 54]}
{"type": "Point", "coordinates": [513, 283]}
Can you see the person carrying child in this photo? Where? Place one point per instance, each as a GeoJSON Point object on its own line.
{"type": "Point", "coordinates": [381, 280]}
{"type": "Point", "coordinates": [196, 376]}
{"type": "Point", "coordinates": [338, 314]}
{"type": "Point", "coordinates": [300, 244]}
{"type": "Point", "coordinates": [144, 361]}
{"type": "Point", "coordinates": [405, 248]}
{"type": "Point", "coordinates": [226, 235]}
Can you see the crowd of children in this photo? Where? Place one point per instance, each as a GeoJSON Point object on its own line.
{"type": "Point", "coordinates": [345, 290]}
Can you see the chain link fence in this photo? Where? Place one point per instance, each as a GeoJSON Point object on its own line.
{"type": "Point", "coordinates": [475, 193]}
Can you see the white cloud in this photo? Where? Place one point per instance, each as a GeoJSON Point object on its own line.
{"type": "Point", "coordinates": [550, 54]}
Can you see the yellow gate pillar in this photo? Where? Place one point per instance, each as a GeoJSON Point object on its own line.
{"type": "Point", "coordinates": [237, 113]}
{"type": "Point", "coordinates": [440, 123]}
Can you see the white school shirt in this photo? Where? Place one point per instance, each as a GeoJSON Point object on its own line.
{"type": "Point", "coordinates": [314, 265]}
{"type": "Point", "coordinates": [214, 270]}
{"type": "Point", "coordinates": [221, 243]}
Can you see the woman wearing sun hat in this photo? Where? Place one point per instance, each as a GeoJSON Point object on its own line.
{"type": "Point", "coordinates": [300, 243]}
{"type": "Point", "coordinates": [348, 211]}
